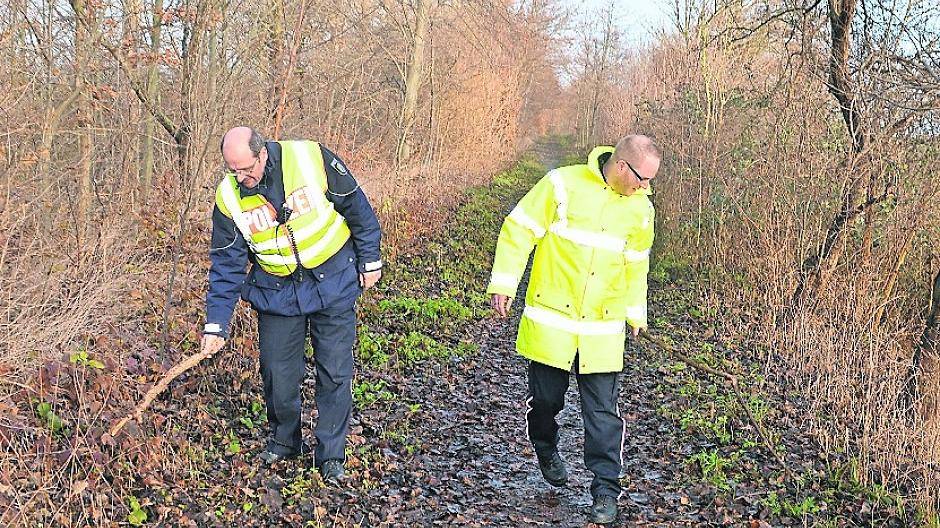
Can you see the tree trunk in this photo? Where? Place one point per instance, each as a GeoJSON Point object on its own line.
{"type": "Point", "coordinates": [600, 72]}
{"type": "Point", "coordinates": [843, 89]}
{"type": "Point", "coordinates": [153, 95]}
{"type": "Point", "coordinates": [274, 44]}
{"type": "Point", "coordinates": [200, 56]}
{"type": "Point", "coordinates": [85, 122]}
{"type": "Point", "coordinates": [841, 84]}
{"type": "Point", "coordinates": [413, 81]}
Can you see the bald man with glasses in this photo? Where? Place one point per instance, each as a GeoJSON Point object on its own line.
{"type": "Point", "coordinates": [591, 227]}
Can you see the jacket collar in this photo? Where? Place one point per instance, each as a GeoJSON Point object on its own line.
{"type": "Point", "coordinates": [596, 164]}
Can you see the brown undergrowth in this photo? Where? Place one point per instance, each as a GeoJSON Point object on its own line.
{"type": "Point", "coordinates": [58, 463]}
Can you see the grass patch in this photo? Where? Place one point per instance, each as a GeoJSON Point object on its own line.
{"type": "Point", "coordinates": [797, 509]}
{"type": "Point", "coordinates": [372, 348]}
{"type": "Point", "coordinates": [369, 393]}
{"type": "Point", "coordinates": [417, 347]}
{"type": "Point", "coordinates": [441, 314]}
{"type": "Point", "coordinates": [714, 467]}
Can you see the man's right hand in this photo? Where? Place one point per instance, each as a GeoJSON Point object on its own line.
{"type": "Point", "coordinates": [500, 304]}
{"type": "Point", "coordinates": [211, 344]}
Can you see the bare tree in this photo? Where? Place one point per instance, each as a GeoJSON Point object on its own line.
{"type": "Point", "coordinates": [597, 59]}
{"type": "Point", "coordinates": [83, 51]}
{"type": "Point", "coordinates": [152, 93]}
{"type": "Point", "coordinates": [413, 80]}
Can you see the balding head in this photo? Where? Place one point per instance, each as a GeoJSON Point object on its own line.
{"type": "Point", "coordinates": [244, 154]}
{"type": "Point", "coordinates": [635, 147]}
{"type": "Point", "coordinates": [633, 164]}
{"type": "Point", "coordinates": [240, 138]}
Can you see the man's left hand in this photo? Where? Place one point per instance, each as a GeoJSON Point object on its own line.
{"type": "Point", "coordinates": [369, 278]}
{"type": "Point", "coordinates": [636, 331]}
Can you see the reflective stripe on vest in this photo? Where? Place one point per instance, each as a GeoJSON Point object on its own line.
{"type": "Point", "coordinates": [305, 254]}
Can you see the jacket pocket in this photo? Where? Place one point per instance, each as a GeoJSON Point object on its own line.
{"type": "Point", "coordinates": [265, 292]}
{"type": "Point", "coordinates": [614, 307]}
{"type": "Point", "coordinates": [554, 300]}
{"type": "Point", "coordinates": [264, 280]}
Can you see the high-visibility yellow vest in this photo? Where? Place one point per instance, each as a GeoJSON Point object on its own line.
{"type": "Point", "coordinates": [589, 272]}
{"type": "Point", "coordinates": [319, 231]}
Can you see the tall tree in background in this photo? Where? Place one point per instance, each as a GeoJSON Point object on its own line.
{"type": "Point", "coordinates": [85, 120]}
{"type": "Point", "coordinates": [878, 82]}
{"type": "Point", "coordinates": [152, 91]}
{"type": "Point", "coordinates": [413, 80]}
{"type": "Point", "coordinates": [600, 52]}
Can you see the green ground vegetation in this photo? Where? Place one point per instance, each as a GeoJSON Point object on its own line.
{"type": "Point", "coordinates": [428, 298]}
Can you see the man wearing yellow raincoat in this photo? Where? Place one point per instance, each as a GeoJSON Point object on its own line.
{"type": "Point", "coordinates": [592, 228]}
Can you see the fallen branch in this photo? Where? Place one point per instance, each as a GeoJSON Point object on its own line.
{"type": "Point", "coordinates": [732, 380]}
{"type": "Point", "coordinates": [161, 386]}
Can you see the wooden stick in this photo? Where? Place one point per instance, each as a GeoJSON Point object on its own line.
{"type": "Point", "coordinates": [732, 380]}
{"type": "Point", "coordinates": [161, 386]}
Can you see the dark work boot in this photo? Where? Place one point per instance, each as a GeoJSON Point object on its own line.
{"type": "Point", "coordinates": [270, 458]}
{"type": "Point", "coordinates": [553, 469]}
{"type": "Point", "coordinates": [604, 510]}
{"type": "Point", "coordinates": [332, 470]}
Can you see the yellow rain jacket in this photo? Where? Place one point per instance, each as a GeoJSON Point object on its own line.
{"type": "Point", "coordinates": [588, 277]}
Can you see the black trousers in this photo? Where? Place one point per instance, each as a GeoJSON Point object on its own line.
{"type": "Point", "coordinates": [603, 427]}
{"type": "Point", "coordinates": [282, 341]}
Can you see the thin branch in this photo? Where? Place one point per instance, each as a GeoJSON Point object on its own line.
{"type": "Point", "coordinates": [160, 387]}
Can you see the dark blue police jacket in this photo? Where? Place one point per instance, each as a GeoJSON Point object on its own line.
{"type": "Point", "coordinates": [335, 281]}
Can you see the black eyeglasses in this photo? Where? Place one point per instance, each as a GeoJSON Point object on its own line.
{"type": "Point", "coordinates": [244, 170]}
{"type": "Point", "coordinates": [635, 173]}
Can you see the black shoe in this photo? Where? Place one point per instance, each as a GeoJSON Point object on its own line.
{"type": "Point", "coordinates": [332, 470]}
{"type": "Point", "coordinates": [604, 510]}
{"type": "Point", "coordinates": [553, 469]}
{"type": "Point", "coordinates": [270, 457]}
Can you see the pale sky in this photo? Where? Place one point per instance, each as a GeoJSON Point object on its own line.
{"type": "Point", "coordinates": [638, 19]}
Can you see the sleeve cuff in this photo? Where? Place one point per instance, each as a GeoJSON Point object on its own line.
{"type": "Point", "coordinates": [366, 267]}
{"type": "Point", "coordinates": [495, 289]}
{"type": "Point", "coordinates": [637, 316]}
{"type": "Point", "coordinates": [215, 329]}
{"type": "Point", "coordinates": [503, 284]}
